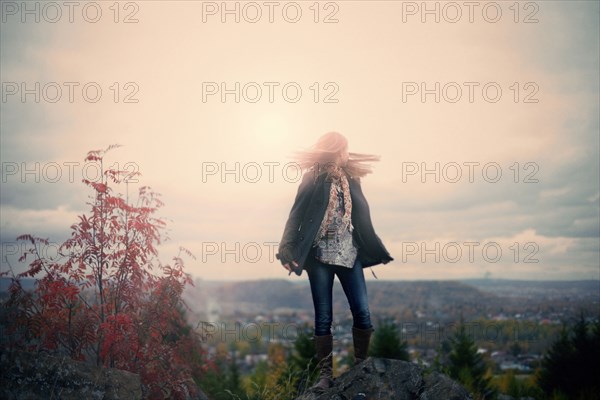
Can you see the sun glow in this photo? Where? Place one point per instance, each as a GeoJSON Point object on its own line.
{"type": "Point", "coordinates": [271, 131]}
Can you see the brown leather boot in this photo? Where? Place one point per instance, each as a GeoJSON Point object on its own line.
{"type": "Point", "coordinates": [324, 347]}
{"type": "Point", "coordinates": [361, 339]}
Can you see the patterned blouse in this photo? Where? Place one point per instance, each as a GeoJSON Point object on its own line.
{"type": "Point", "coordinates": [336, 247]}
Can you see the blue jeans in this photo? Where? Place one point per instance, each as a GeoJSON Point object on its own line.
{"type": "Point", "coordinates": [321, 285]}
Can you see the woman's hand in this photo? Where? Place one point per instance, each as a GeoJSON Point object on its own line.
{"type": "Point", "coordinates": [287, 256]}
{"type": "Point", "coordinates": [289, 268]}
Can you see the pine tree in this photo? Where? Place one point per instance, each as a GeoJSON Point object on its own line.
{"type": "Point", "coordinates": [570, 367]}
{"type": "Point", "coordinates": [233, 379]}
{"type": "Point", "coordinates": [467, 366]}
{"type": "Point", "coordinates": [387, 342]}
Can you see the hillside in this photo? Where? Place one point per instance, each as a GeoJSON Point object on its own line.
{"type": "Point", "coordinates": [438, 300]}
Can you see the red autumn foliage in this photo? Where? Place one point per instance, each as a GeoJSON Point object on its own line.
{"type": "Point", "coordinates": [102, 302]}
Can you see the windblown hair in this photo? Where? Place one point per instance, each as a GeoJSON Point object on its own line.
{"type": "Point", "coordinates": [326, 152]}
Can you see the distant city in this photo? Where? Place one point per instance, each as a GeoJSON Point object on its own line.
{"type": "Point", "coordinates": [513, 322]}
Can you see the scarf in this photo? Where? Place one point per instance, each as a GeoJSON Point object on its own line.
{"type": "Point", "coordinates": [336, 175]}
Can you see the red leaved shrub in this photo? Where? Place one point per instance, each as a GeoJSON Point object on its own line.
{"type": "Point", "coordinates": [108, 299]}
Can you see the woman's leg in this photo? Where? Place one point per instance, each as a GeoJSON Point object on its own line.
{"type": "Point", "coordinates": [321, 285]}
{"type": "Point", "coordinates": [353, 282]}
{"type": "Point", "coordinates": [355, 288]}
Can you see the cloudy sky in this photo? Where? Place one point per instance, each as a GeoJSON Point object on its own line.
{"type": "Point", "coordinates": [485, 117]}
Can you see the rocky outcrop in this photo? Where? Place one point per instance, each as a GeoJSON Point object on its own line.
{"type": "Point", "coordinates": [507, 397]}
{"type": "Point", "coordinates": [28, 376]}
{"type": "Point", "coordinates": [382, 378]}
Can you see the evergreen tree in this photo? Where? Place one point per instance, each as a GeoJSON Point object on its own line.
{"type": "Point", "coordinates": [214, 380]}
{"type": "Point", "coordinates": [467, 366]}
{"type": "Point", "coordinates": [222, 380]}
{"type": "Point", "coordinates": [515, 349]}
{"type": "Point", "coordinates": [557, 361]}
{"type": "Point", "coordinates": [387, 342]}
{"type": "Point", "coordinates": [233, 380]}
{"type": "Point", "coordinates": [570, 367]}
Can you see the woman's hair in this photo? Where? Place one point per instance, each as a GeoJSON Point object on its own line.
{"type": "Point", "coordinates": [327, 150]}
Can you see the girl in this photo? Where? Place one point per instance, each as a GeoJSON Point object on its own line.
{"type": "Point", "coordinates": [328, 233]}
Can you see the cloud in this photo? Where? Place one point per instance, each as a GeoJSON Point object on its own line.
{"type": "Point", "coordinates": [171, 132]}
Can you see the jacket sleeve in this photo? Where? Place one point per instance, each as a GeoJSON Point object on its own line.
{"type": "Point", "coordinates": [287, 245]}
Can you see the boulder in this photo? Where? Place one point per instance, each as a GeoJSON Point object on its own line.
{"type": "Point", "coordinates": [383, 378]}
{"type": "Point", "coordinates": [28, 376]}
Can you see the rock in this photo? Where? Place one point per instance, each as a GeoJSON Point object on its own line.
{"type": "Point", "coordinates": [28, 376]}
{"type": "Point", "coordinates": [507, 397]}
{"type": "Point", "coordinates": [383, 378]}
